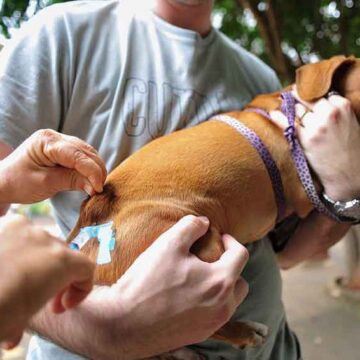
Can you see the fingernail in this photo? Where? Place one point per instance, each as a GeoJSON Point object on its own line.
{"type": "Point", "coordinates": [88, 189]}
{"type": "Point", "coordinates": [92, 182]}
{"type": "Point", "coordinates": [204, 219]}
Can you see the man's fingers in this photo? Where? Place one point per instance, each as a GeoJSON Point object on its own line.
{"type": "Point", "coordinates": [75, 155]}
{"type": "Point", "coordinates": [75, 294]}
{"type": "Point", "coordinates": [234, 258]}
{"type": "Point", "coordinates": [186, 231]}
{"type": "Point", "coordinates": [97, 162]}
{"type": "Point", "coordinates": [81, 268]}
{"type": "Point", "coordinates": [316, 123]}
{"type": "Point", "coordinates": [68, 274]}
{"type": "Point", "coordinates": [56, 305]}
{"type": "Point", "coordinates": [69, 152]}
{"type": "Point", "coordinates": [279, 119]}
{"type": "Point", "coordinates": [343, 105]}
{"type": "Point", "coordinates": [69, 179]}
{"type": "Point", "coordinates": [323, 107]}
{"type": "Point", "coordinates": [78, 284]}
{"type": "Point", "coordinates": [302, 112]}
{"type": "Point", "coordinates": [90, 151]}
{"type": "Point", "coordinates": [74, 158]}
{"type": "Point", "coordinates": [70, 297]}
{"type": "Point", "coordinates": [76, 281]}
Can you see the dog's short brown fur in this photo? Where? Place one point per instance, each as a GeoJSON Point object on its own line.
{"type": "Point", "coordinates": [210, 170]}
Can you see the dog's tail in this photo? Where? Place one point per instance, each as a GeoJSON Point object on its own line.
{"type": "Point", "coordinates": [96, 210]}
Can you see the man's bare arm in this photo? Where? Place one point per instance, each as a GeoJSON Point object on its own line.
{"type": "Point", "coordinates": [313, 235]}
{"type": "Point", "coordinates": [145, 313]}
{"type": "Point", "coordinates": [26, 284]}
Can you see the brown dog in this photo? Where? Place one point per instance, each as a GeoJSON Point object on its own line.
{"type": "Point", "coordinates": [210, 170]}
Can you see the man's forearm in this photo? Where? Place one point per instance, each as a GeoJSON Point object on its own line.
{"type": "Point", "coordinates": [314, 234]}
{"type": "Point", "coordinates": [85, 330]}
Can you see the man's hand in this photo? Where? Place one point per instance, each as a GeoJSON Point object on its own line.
{"type": "Point", "coordinates": [36, 267]}
{"type": "Point", "coordinates": [167, 299]}
{"type": "Point", "coordinates": [330, 137]}
{"type": "Point", "coordinates": [174, 295]}
{"type": "Point", "coordinates": [46, 163]}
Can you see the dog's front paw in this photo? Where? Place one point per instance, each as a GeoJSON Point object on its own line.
{"type": "Point", "coordinates": [256, 334]}
{"type": "Point", "coordinates": [243, 334]}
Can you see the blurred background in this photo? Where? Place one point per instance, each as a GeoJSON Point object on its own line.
{"type": "Point", "coordinates": [322, 296]}
{"type": "Point", "coordinates": [285, 34]}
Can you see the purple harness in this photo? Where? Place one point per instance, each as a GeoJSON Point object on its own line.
{"type": "Point", "coordinates": [288, 108]}
{"type": "Point", "coordinates": [266, 157]}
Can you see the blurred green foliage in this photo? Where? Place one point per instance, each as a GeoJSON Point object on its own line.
{"type": "Point", "coordinates": [285, 34]}
{"type": "Point", "coordinates": [42, 208]}
{"type": "Point", "coordinates": [14, 12]}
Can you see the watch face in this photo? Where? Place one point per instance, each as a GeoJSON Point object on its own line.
{"type": "Point", "coordinates": [349, 208]}
{"type": "Point", "coordinates": [348, 211]}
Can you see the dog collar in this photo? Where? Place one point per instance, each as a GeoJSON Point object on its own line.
{"type": "Point", "coordinates": [266, 157]}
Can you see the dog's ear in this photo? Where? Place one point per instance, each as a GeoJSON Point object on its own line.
{"type": "Point", "coordinates": [313, 81]}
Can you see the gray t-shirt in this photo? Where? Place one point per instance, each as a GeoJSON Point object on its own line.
{"type": "Point", "coordinates": [117, 76]}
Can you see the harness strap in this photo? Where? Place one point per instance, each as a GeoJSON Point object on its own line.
{"type": "Point", "coordinates": [259, 111]}
{"type": "Point", "coordinates": [288, 109]}
{"type": "Point", "coordinates": [266, 157]}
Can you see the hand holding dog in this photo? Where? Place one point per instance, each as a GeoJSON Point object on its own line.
{"type": "Point", "coordinates": [36, 267]}
{"type": "Point", "coordinates": [155, 304]}
{"type": "Point", "coordinates": [330, 137]}
{"type": "Point", "coordinates": [46, 163]}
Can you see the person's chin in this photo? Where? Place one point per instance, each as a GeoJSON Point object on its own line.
{"type": "Point", "coordinates": [190, 2]}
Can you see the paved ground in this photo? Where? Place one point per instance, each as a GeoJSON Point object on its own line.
{"type": "Point", "coordinates": [327, 324]}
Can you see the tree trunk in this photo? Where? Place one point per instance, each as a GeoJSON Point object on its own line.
{"type": "Point", "coordinates": [343, 27]}
{"type": "Point", "coordinates": [270, 33]}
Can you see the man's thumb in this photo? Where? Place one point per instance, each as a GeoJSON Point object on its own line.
{"type": "Point", "coordinates": [187, 230]}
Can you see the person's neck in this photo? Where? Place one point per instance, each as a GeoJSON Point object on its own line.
{"type": "Point", "coordinates": [191, 17]}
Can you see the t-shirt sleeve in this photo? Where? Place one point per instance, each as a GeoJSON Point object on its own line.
{"type": "Point", "coordinates": [33, 78]}
{"type": "Point", "coordinates": [275, 84]}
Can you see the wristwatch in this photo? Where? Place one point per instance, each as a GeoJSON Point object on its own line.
{"type": "Point", "coordinates": [345, 210]}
